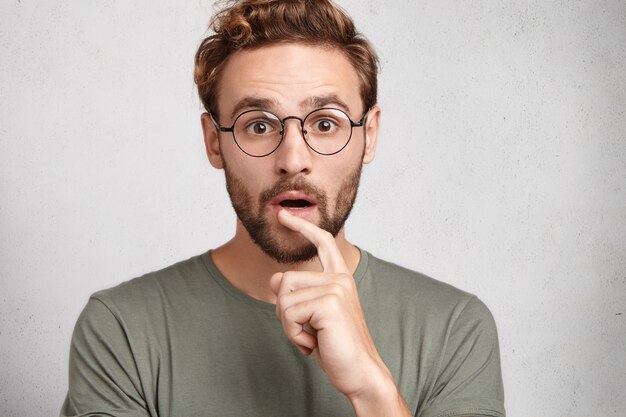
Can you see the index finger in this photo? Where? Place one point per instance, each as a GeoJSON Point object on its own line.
{"type": "Point", "coordinates": [327, 250]}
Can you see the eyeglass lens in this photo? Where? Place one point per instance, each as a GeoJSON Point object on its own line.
{"type": "Point", "coordinates": [259, 133]}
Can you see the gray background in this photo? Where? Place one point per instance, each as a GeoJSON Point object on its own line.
{"type": "Point", "coordinates": [501, 169]}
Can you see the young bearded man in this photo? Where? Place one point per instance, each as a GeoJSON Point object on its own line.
{"type": "Point", "coordinates": [288, 318]}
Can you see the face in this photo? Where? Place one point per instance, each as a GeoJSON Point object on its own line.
{"type": "Point", "coordinates": [290, 80]}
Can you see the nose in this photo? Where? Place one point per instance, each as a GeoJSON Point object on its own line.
{"type": "Point", "coordinates": [293, 156]}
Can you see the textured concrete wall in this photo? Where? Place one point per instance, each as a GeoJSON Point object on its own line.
{"type": "Point", "coordinates": [501, 169]}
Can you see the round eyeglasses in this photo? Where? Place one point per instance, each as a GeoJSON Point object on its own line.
{"type": "Point", "coordinates": [258, 133]}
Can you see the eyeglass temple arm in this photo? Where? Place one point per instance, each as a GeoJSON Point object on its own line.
{"type": "Point", "coordinates": [219, 126]}
{"type": "Point", "coordinates": [360, 122]}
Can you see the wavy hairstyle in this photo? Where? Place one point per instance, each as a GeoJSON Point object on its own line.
{"type": "Point", "coordinates": [247, 24]}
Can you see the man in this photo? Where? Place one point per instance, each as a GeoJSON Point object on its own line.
{"type": "Point", "coordinates": [288, 318]}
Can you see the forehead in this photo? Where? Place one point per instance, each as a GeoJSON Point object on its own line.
{"type": "Point", "coordinates": [289, 78]}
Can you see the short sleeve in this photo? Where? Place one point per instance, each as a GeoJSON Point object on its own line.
{"type": "Point", "coordinates": [469, 381]}
{"type": "Point", "coordinates": [103, 376]}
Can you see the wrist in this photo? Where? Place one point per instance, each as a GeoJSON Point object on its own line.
{"type": "Point", "coordinates": [380, 398]}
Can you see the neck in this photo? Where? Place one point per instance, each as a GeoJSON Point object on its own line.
{"type": "Point", "coordinates": [249, 269]}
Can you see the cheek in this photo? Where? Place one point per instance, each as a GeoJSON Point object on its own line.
{"type": "Point", "coordinates": [356, 146]}
{"type": "Point", "coordinates": [340, 181]}
{"type": "Point", "coordinates": [253, 172]}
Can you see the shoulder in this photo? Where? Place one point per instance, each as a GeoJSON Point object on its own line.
{"type": "Point", "coordinates": [170, 285]}
{"type": "Point", "coordinates": [394, 281]}
{"type": "Point", "coordinates": [450, 331]}
{"type": "Point", "coordinates": [421, 302]}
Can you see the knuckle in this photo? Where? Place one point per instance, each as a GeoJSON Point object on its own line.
{"type": "Point", "coordinates": [336, 289]}
{"type": "Point", "coordinates": [282, 300]}
{"type": "Point", "coordinates": [290, 326]}
{"type": "Point", "coordinates": [288, 314]}
{"type": "Point", "coordinates": [332, 303]}
{"type": "Point", "coordinates": [346, 281]}
{"type": "Point", "coordinates": [345, 278]}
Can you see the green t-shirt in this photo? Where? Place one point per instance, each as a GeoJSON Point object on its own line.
{"type": "Point", "coordinates": [184, 342]}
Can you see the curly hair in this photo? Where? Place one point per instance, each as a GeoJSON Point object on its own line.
{"type": "Point", "coordinates": [248, 24]}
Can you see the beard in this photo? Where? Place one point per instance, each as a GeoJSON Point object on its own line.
{"type": "Point", "coordinates": [259, 228]}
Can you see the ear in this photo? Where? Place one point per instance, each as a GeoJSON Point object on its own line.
{"type": "Point", "coordinates": [211, 141]}
{"type": "Point", "coordinates": [372, 123]}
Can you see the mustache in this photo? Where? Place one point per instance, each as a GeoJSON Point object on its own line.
{"type": "Point", "coordinates": [299, 184]}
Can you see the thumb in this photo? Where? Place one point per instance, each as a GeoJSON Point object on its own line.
{"type": "Point", "coordinates": [275, 282]}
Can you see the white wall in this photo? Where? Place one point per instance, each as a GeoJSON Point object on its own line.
{"type": "Point", "coordinates": [501, 169]}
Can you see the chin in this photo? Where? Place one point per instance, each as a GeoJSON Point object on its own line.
{"type": "Point", "coordinates": [290, 255]}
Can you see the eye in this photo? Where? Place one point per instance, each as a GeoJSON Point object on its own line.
{"type": "Point", "coordinates": [259, 127]}
{"type": "Point", "coordinates": [325, 125]}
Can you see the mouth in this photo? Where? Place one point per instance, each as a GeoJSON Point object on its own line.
{"type": "Point", "coordinates": [294, 201]}
{"type": "Point", "coordinates": [297, 204]}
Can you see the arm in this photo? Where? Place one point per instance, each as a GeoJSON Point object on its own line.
{"type": "Point", "coordinates": [321, 314]}
{"type": "Point", "coordinates": [469, 381]}
{"type": "Point", "coordinates": [103, 376]}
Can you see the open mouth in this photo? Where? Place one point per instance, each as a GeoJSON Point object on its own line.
{"type": "Point", "coordinates": [294, 201]}
{"type": "Point", "coordinates": [297, 204]}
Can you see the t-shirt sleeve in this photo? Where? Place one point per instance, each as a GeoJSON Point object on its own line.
{"type": "Point", "coordinates": [469, 381]}
{"type": "Point", "coordinates": [103, 376]}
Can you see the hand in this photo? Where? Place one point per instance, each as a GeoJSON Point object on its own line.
{"type": "Point", "coordinates": [320, 312]}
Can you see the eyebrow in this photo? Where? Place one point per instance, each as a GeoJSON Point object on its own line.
{"type": "Point", "coordinates": [317, 102]}
{"type": "Point", "coordinates": [309, 104]}
{"type": "Point", "coordinates": [252, 103]}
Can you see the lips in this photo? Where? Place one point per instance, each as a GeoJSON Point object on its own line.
{"type": "Point", "coordinates": [295, 204]}
{"type": "Point", "coordinates": [294, 201]}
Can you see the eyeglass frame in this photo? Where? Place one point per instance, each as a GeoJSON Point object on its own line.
{"type": "Point", "coordinates": [282, 121]}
